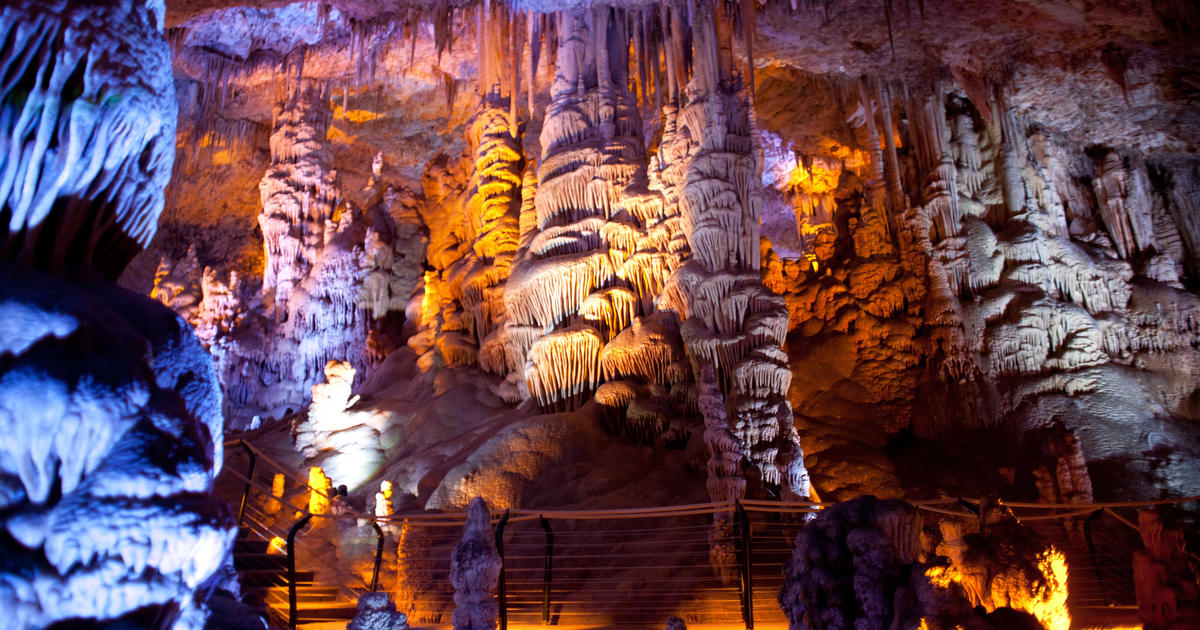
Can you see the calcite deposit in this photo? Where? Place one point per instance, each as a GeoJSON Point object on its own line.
{"type": "Point", "coordinates": [573, 253]}
{"type": "Point", "coordinates": [866, 563]}
{"type": "Point", "coordinates": [887, 231]}
{"type": "Point", "coordinates": [474, 570]}
{"type": "Point", "coordinates": [110, 406]}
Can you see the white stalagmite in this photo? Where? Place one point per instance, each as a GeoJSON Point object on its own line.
{"type": "Point", "coordinates": [299, 194]}
{"type": "Point", "coordinates": [332, 274]}
{"type": "Point", "coordinates": [110, 456]}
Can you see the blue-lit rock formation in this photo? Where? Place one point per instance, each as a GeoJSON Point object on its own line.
{"type": "Point", "coordinates": [110, 408]}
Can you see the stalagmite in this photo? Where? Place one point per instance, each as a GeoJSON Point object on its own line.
{"type": "Point", "coordinates": [278, 487]}
{"type": "Point", "coordinates": [333, 272]}
{"type": "Point", "coordinates": [474, 314]}
{"type": "Point", "coordinates": [320, 489]}
{"type": "Point", "coordinates": [1168, 594]}
{"type": "Point", "coordinates": [474, 569]}
{"type": "Point", "coordinates": [852, 565]}
{"type": "Point", "coordinates": [1005, 566]}
{"type": "Point", "coordinates": [725, 481]}
{"type": "Point", "coordinates": [377, 612]}
{"type": "Point", "coordinates": [708, 169]}
{"type": "Point", "coordinates": [299, 194]}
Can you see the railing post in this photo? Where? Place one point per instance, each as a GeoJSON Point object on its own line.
{"type": "Point", "coordinates": [549, 567]}
{"type": "Point", "coordinates": [291, 568]}
{"type": "Point", "coordinates": [378, 556]}
{"type": "Point", "coordinates": [746, 574]}
{"type": "Point", "coordinates": [500, 590]}
{"type": "Point", "coordinates": [249, 478]}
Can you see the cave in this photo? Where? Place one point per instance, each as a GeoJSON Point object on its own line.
{"type": "Point", "coordinates": [902, 294]}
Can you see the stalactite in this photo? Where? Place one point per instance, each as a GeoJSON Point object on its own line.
{"type": "Point", "coordinates": [533, 47]}
{"type": "Point", "coordinates": [887, 12]}
{"type": "Point", "coordinates": [514, 61]}
{"type": "Point", "coordinates": [592, 217]}
{"type": "Point", "coordinates": [891, 161]}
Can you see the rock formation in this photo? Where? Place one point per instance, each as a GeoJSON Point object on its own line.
{"type": "Point", "coordinates": [877, 542]}
{"type": "Point", "coordinates": [864, 564]}
{"type": "Point", "coordinates": [377, 612]}
{"type": "Point", "coordinates": [1005, 565]}
{"type": "Point", "coordinates": [594, 262]}
{"type": "Point", "coordinates": [474, 571]}
{"type": "Point", "coordinates": [465, 291]}
{"type": "Point", "coordinates": [112, 408]}
{"type": "Point", "coordinates": [348, 268]}
{"type": "Point", "coordinates": [707, 168]}
{"type": "Point", "coordinates": [1168, 593]}
{"type": "Point", "coordinates": [908, 244]}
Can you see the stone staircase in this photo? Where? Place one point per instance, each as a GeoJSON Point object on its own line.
{"type": "Point", "coordinates": [262, 572]}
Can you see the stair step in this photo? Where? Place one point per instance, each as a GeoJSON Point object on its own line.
{"type": "Point", "coordinates": [250, 545]}
{"type": "Point", "coordinates": [303, 596]}
{"type": "Point", "coordinates": [331, 613]}
{"type": "Point", "coordinates": [259, 562]}
{"type": "Point", "coordinates": [273, 578]}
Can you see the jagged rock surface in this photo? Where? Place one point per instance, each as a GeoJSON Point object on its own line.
{"type": "Point", "coordinates": [329, 285]}
{"type": "Point", "coordinates": [110, 406]}
{"type": "Point", "coordinates": [862, 564]}
{"type": "Point", "coordinates": [988, 252]}
{"type": "Point", "coordinates": [377, 612]}
{"type": "Point", "coordinates": [707, 169]}
{"type": "Point", "coordinates": [474, 569]}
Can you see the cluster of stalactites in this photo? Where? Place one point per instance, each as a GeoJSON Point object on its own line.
{"type": "Point", "coordinates": [88, 137]}
{"type": "Point", "coordinates": [363, 43]}
{"type": "Point", "coordinates": [492, 216]}
{"type": "Point", "coordinates": [299, 194]}
{"type": "Point", "coordinates": [598, 245]}
{"type": "Point", "coordinates": [1070, 251]}
{"type": "Point", "coordinates": [708, 169]}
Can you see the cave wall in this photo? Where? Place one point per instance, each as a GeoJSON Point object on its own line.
{"type": "Point", "coordinates": [928, 232]}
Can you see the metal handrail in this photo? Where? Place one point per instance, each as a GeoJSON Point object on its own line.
{"type": "Point", "coordinates": [501, 591]}
{"type": "Point", "coordinates": [1029, 511]}
{"type": "Point", "coordinates": [291, 568]}
{"type": "Point", "coordinates": [746, 572]}
{"type": "Point", "coordinates": [306, 516]}
{"type": "Point", "coordinates": [548, 570]}
{"type": "Point", "coordinates": [249, 477]}
{"type": "Point", "coordinates": [378, 556]}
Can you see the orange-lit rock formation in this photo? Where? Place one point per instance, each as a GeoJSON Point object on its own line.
{"type": "Point", "coordinates": [903, 247]}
